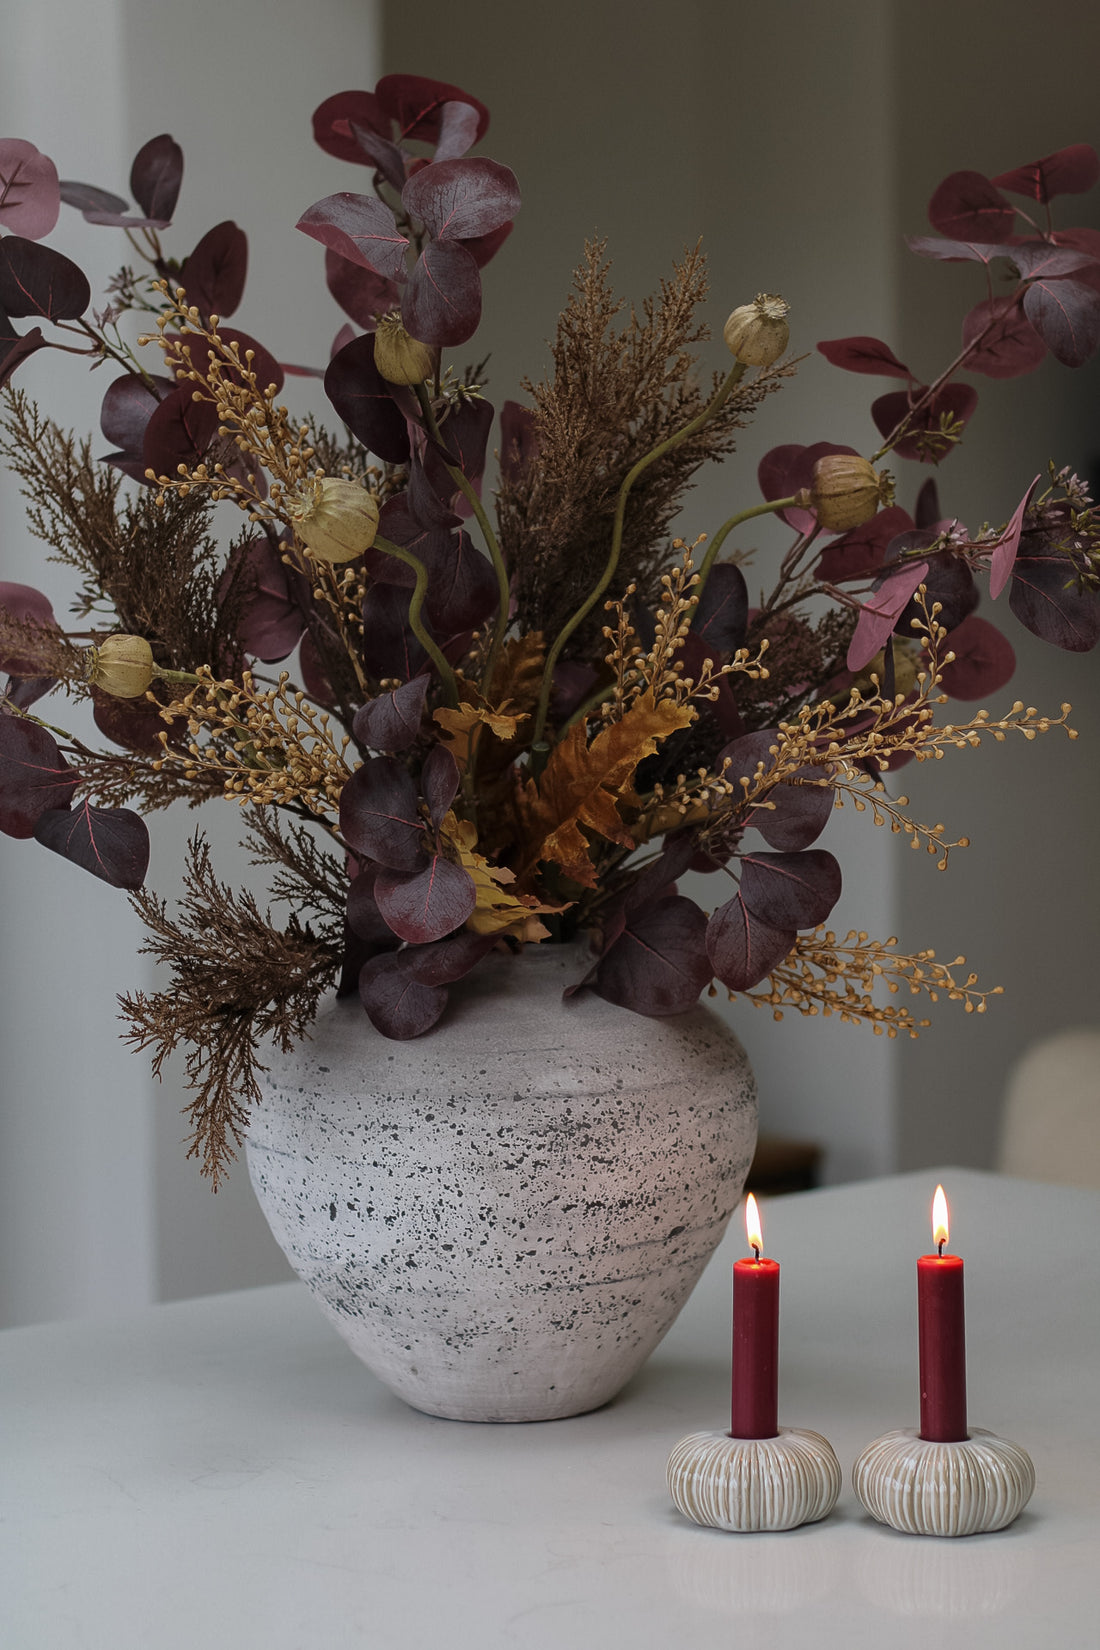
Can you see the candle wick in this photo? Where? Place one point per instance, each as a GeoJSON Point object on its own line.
{"type": "Point", "coordinates": [942, 1242]}
{"type": "Point", "coordinates": [755, 1252]}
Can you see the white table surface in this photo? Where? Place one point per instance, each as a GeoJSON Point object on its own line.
{"type": "Point", "coordinates": [223, 1472]}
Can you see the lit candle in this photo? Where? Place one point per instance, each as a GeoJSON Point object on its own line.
{"type": "Point", "coordinates": [755, 1406]}
{"type": "Point", "coordinates": [942, 1336]}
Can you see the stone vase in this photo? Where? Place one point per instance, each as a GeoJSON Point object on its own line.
{"type": "Point", "coordinates": [503, 1217]}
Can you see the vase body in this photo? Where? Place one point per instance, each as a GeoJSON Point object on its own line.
{"type": "Point", "coordinates": [504, 1216]}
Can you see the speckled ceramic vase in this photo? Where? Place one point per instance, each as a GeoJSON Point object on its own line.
{"type": "Point", "coordinates": [504, 1217]}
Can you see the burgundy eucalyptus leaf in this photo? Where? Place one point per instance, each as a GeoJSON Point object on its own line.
{"type": "Point", "coordinates": [314, 671]}
{"type": "Point", "coordinates": [968, 207]}
{"type": "Point", "coordinates": [439, 781]}
{"type": "Point", "coordinates": [459, 199]}
{"type": "Point", "coordinates": [397, 523]}
{"type": "Point", "coordinates": [179, 432]}
{"type": "Point", "coordinates": [790, 890]}
{"type": "Point", "coordinates": [948, 582]}
{"type": "Point", "coordinates": [442, 301]}
{"type": "Point", "coordinates": [1066, 315]}
{"type": "Point", "coordinates": [213, 276]}
{"type": "Point", "coordinates": [132, 723]}
{"type": "Point", "coordinates": [364, 917]}
{"type": "Point", "coordinates": [1003, 557]}
{"type": "Point", "coordinates": [30, 196]}
{"type": "Point", "coordinates": [956, 251]}
{"type": "Point", "coordinates": [722, 615]}
{"type": "Point", "coordinates": [879, 613]}
{"type": "Point", "coordinates": [1085, 240]}
{"type": "Point", "coordinates": [388, 158]}
{"type": "Point", "coordinates": [462, 589]}
{"type": "Point", "coordinates": [111, 843]}
{"type": "Point", "coordinates": [128, 404]}
{"type": "Point", "coordinates": [24, 691]}
{"type": "Point", "coordinates": [984, 660]}
{"type": "Point", "coordinates": [396, 1003]}
{"type": "Point", "coordinates": [658, 965]}
{"type": "Point", "coordinates": [786, 470]}
{"type": "Point", "coordinates": [36, 280]}
{"type": "Point", "coordinates": [1069, 171]}
{"type": "Point", "coordinates": [430, 495]}
{"type": "Point", "coordinates": [459, 130]}
{"type": "Point", "coordinates": [34, 776]}
{"type": "Point", "coordinates": [425, 905]}
{"type": "Point", "coordinates": [921, 441]}
{"type": "Point", "coordinates": [418, 105]}
{"type": "Point", "coordinates": [275, 601]}
{"type": "Point", "coordinates": [389, 647]}
{"type": "Point", "coordinates": [125, 220]}
{"type": "Point", "coordinates": [447, 961]}
{"type": "Point", "coordinates": [926, 511]}
{"type": "Point", "coordinates": [465, 434]}
{"type": "Point", "coordinates": [742, 948]}
{"type": "Point", "coordinates": [360, 293]}
{"type": "Point", "coordinates": [1037, 260]}
{"type": "Point", "coordinates": [1047, 599]}
{"type": "Point", "coordinates": [658, 879]}
{"type": "Point", "coordinates": [361, 229]}
{"type": "Point", "coordinates": [87, 198]}
{"type": "Point", "coordinates": [483, 248]}
{"type": "Point", "coordinates": [23, 603]}
{"type": "Point", "coordinates": [391, 722]}
{"type": "Point", "coordinates": [156, 175]}
{"type": "Point", "coordinates": [1010, 345]}
{"type": "Point", "coordinates": [16, 346]}
{"type": "Point", "coordinates": [334, 118]}
{"type": "Point", "coordinates": [362, 398]}
{"type": "Point", "coordinates": [380, 816]}
{"type": "Point", "coordinates": [861, 354]}
{"type": "Point", "coordinates": [862, 550]}
{"type": "Point", "coordinates": [795, 814]}
{"type": "Point", "coordinates": [519, 441]}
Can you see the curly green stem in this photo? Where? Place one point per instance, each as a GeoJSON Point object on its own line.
{"type": "Point", "coordinates": [733, 378]}
{"type": "Point", "coordinates": [726, 528]}
{"type": "Point", "coordinates": [416, 623]}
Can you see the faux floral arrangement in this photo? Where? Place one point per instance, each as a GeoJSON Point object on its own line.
{"type": "Point", "coordinates": [500, 732]}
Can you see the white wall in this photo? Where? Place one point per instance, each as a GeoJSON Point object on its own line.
{"type": "Point", "coordinates": [98, 1207]}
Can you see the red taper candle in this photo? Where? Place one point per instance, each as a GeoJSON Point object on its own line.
{"type": "Point", "coordinates": [755, 1405]}
{"type": "Point", "coordinates": [942, 1329]}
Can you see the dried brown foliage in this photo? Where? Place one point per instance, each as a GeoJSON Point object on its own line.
{"type": "Point", "coordinates": [615, 394]}
{"type": "Point", "coordinates": [236, 980]}
{"type": "Point", "coordinates": [146, 569]}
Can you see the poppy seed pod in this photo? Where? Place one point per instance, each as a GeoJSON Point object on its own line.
{"type": "Point", "coordinates": [400, 358]}
{"type": "Point", "coordinates": [122, 666]}
{"type": "Point", "coordinates": [335, 518]}
{"type": "Point", "coordinates": [846, 491]}
{"type": "Point", "coordinates": [756, 334]}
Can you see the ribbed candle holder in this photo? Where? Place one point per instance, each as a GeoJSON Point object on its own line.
{"type": "Point", "coordinates": [754, 1483]}
{"type": "Point", "coordinates": [920, 1487]}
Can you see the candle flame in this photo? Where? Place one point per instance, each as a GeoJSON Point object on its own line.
{"type": "Point", "coordinates": [940, 1227]}
{"type": "Point", "coordinates": [753, 1225]}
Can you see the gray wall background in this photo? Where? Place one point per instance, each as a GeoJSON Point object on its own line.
{"type": "Point", "coordinates": [800, 142]}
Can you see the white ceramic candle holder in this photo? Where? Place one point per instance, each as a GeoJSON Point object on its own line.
{"type": "Point", "coordinates": [754, 1483]}
{"type": "Point", "coordinates": [924, 1488]}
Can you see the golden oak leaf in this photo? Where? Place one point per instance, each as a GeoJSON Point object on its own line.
{"type": "Point", "coordinates": [517, 677]}
{"type": "Point", "coordinates": [461, 723]}
{"type": "Point", "coordinates": [498, 911]}
{"type": "Point", "coordinates": [582, 784]}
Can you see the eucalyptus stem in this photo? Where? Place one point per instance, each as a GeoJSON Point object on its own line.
{"type": "Point", "coordinates": [416, 623]}
{"type": "Point", "coordinates": [733, 378]}
{"type": "Point", "coordinates": [724, 531]}
{"type": "Point", "coordinates": [463, 482]}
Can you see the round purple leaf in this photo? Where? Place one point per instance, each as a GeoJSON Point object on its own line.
{"type": "Point", "coordinates": [156, 175]}
{"type": "Point", "coordinates": [360, 292]}
{"type": "Point", "coordinates": [791, 890]}
{"type": "Point", "coordinates": [658, 965]}
{"type": "Point", "coordinates": [418, 104]}
{"type": "Point", "coordinates": [359, 228]}
{"type": "Point", "coordinates": [380, 817]}
{"type": "Point", "coordinates": [742, 948]}
{"type": "Point", "coordinates": [967, 207]}
{"type": "Point", "coordinates": [458, 199]}
{"type": "Point", "coordinates": [425, 905]}
{"type": "Point", "coordinates": [984, 660]}
{"type": "Point", "coordinates": [34, 776]}
{"type": "Point", "coordinates": [36, 280]}
{"type": "Point", "coordinates": [398, 1005]}
{"type": "Point", "coordinates": [214, 274]}
{"type": "Point", "coordinates": [392, 721]}
{"type": "Point", "coordinates": [442, 302]}
{"type": "Point", "coordinates": [362, 398]}
{"type": "Point", "coordinates": [111, 843]}
{"type": "Point", "coordinates": [30, 196]}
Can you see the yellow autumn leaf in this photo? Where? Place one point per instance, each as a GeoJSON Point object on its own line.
{"type": "Point", "coordinates": [582, 784]}
{"type": "Point", "coordinates": [498, 910]}
{"type": "Point", "coordinates": [461, 722]}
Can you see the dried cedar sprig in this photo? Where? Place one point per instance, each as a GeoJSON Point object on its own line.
{"type": "Point", "coordinates": [615, 395]}
{"type": "Point", "coordinates": [236, 980]}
